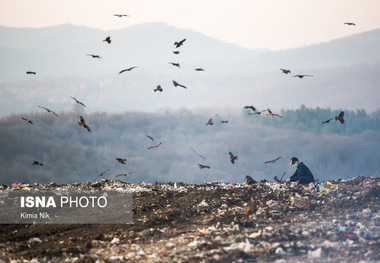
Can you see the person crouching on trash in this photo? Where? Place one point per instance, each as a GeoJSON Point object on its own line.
{"type": "Point", "coordinates": [302, 175]}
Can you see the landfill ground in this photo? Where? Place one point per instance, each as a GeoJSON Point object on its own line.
{"type": "Point", "coordinates": [331, 221]}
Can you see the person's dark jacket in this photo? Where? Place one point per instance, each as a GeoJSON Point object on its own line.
{"type": "Point", "coordinates": [303, 175]}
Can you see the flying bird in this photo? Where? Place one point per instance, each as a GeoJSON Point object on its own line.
{"type": "Point", "coordinates": [175, 64]}
{"type": "Point", "coordinates": [250, 107]}
{"type": "Point", "coordinates": [180, 43]}
{"type": "Point", "coordinates": [337, 118]}
{"type": "Point", "coordinates": [128, 69]}
{"type": "Point", "coordinates": [274, 160]}
{"type": "Point", "coordinates": [302, 75]}
{"type": "Point", "coordinates": [158, 88]}
{"type": "Point", "coordinates": [175, 83]}
{"type": "Point", "coordinates": [150, 137]}
{"type": "Point", "coordinates": [199, 69]}
{"type": "Point", "coordinates": [37, 163]}
{"type": "Point", "coordinates": [31, 72]}
{"type": "Point", "coordinates": [108, 40]}
{"type": "Point", "coordinates": [340, 117]}
{"type": "Point", "coordinates": [77, 101]}
{"type": "Point", "coordinates": [120, 15]}
{"type": "Point", "coordinates": [94, 56]}
{"type": "Point", "coordinates": [126, 174]}
{"type": "Point", "coordinates": [27, 120]}
{"type": "Point", "coordinates": [285, 71]}
{"type": "Point", "coordinates": [121, 160]}
{"type": "Point", "coordinates": [350, 23]}
{"type": "Point", "coordinates": [270, 113]}
{"type": "Point", "coordinates": [102, 174]}
{"type": "Point", "coordinates": [202, 166]}
{"type": "Point", "coordinates": [279, 180]}
{"type": "Point", "coordinates": [176, 52]}
{"type": "Point", "coordinates": [83, 123]}
{"type": "Point", "coordinates": [48, 110]}
{"type": "Point", "coordinates": [254, 110]}
{"type": "Point", "coordinates": [155, 146]}
{"type": "Point", "coordinates": [223, 121]}
{"type": "Point", "coordinates": [233, 158]}
{"type": "Point", "coordinates": [196, 153]}
{"type": "Point", "coordinates": [210, 122]}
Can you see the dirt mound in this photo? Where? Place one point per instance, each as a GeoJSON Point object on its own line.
{"type": "Point", "coordinates": [337, 221]}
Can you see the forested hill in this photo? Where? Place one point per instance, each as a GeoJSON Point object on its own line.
{"type": "Point", "coordinates": [69, 153]}
{"type": "Point", "coordinates": [309, 119]}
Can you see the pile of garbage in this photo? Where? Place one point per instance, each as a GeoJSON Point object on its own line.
{"type": "Point", "coordinates": [327, 221]}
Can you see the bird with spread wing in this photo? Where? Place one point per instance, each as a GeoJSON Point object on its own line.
{"type": "Point", "coordinates": [78, 102]}
{"type": "Point", "coordinates": [83, 123]}
{"type": "Point", "coordinates": [176, 84]}
{"type": "Point", "coordinates": [233, 158]}
{"type": "Point", "coordinates": [128, 69]}
{"type": "Point", "coordinates": [48, 110]}
{"type": "Point", "coordinates": [274, 160]}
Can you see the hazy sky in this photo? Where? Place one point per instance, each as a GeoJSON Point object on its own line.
{"type": "Point", "coordinates": [271, 24]}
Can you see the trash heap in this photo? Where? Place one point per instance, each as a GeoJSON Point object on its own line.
{"type": "Point", "coordinates": [328, 221]}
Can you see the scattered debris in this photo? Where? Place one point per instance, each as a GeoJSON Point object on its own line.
{"type": "Point", "coordinates": [328, 221]}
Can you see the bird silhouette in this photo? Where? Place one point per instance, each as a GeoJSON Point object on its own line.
{"type": "Point", "coordinates": [175, 83]}
{"type": "Point", "coordinates": [128, 69]}
{"type": "Point", "coordinates": [31, 72]}
{"type": "Point", "coordinates": [94, 56]}
{"type": "Point", "coordinates": [202, 166]}
{"type": "Point", "coordinates": [233, 158]}
{"type": "Point", "coordinates": [223, 121]}
{"type": "Point", "coordinates": [327, 121]}
{"type": "Point", "coordinates": [155, 146]}
{"type": "Point", "coordinates": [150, 137]}
{"type": "Point", "coordinates": [337, 118]}
{"type": "Point", "coordinates": [279, 180]}
{"type": "Point", "coordinates": [180, 43]}
{"type": "Point", "coordinates": [270, 113]}
{"type": "Point", "coordinates": [199, 69]}
{"type": "Point", "coordinates": [196, 153]}
{"type": "Point", "coordinates": [77, 101]}
{"type": "Point", "coordinates": [108, 40]}
{"type": "Point", "coordinates": [340, 117]}
{"type": "Point", "coordinates": [210, 122]}
{"type": "Point", "coordinates": [175, 64]}
{"type": "Point", "coordinates": [48, 110]}
{"type": "Point", "coordinates": [158, 88]}
{"type": "Point", "coordinates": [285, 71]}
{"type": "Point", "coordinates": [120, 15]}
{"type": "Point", "coordinates": [350, 23]}
{"type": "Point", "coordinates": [176, 52]}
{"type": "Point", "coordinates": [121, 160]}
{"type": "Point", "coordinates": [255, 111]}
{"type": "Point", "coordinates": [83, 123]}
{"type": "Point", "coordinates": [37, 163]}
{"type": "Point", "coordinates": [27, 120]}
{"type": "Point", "coordinates": [274, 160]}
{"type": "Point", "coordinates": [302, 75]}
{"type": "Point", "coordinates": [102, 174]}
{"type": "Point", "coordinates": [126, 174]}
{"type": "Point", "coordinates": [250, 107]}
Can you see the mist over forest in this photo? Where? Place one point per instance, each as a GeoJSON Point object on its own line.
{"type": "Point", "coordinates": [70, 153]}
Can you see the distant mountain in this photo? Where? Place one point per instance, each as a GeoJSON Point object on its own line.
{"type": "Point", "coordinates": [363, 48]}
{"type": "Point", "coordinates": [61, 50]}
